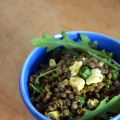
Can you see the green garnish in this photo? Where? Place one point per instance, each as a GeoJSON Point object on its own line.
{"type": "Point", "coordinates": [115, 74]}
{"type": "Point", "coordinates": [36, 87]}
{"type": "Point", "coordinates": [82, 100]}
{"type": "Point", "coordinates": [50, 42]}
{"type": "Point", "coordinates": [46, 73]}
{"type": "Point", "coordinates": [85, 72]}
{"type": "Point", "coordinates": [112, 106]}
{"type": "Point", "coordinates": [106, 61]}
{"type": "Point", "coordinates": [107, 83]}
{"type": "Point", "coordinates": [55, 75]}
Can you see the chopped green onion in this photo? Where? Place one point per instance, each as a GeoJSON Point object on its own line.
{"type": "Point", "coordinates": [85, 72]}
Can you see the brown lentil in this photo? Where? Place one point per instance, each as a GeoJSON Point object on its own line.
{"type": "Point", "coordinates": [50, 108]}
{"type": "Point", "coordinates": [68, 103]}
{"type": "Point", "coordinates": [74, 105]}
{"type": "Point", "coordinates": [92, 65]}
{"type": "Point", "coordinates": [63, 95]}
{"type": "Point", "coordinates": [79, 110]}
{"type": "Point", "coordinates": [90, 88]}
{"type": "Point", "coordinates": [103, 71]}
{"type": "Point", "coordinates": [68, 91]}
{"type": "Point", "coordinates": [58, 95]}
{"type": "Point", "coordinates": [97, 95]}
{"type": "Point", "coordinates": [48, 95]}
{"type": "Point", "coordinates": [66, 112]}
{"type": "Point", "coordinates": [60, 102]}
{"type": "Point", "coordinates": [94, 59]}
{"type": "Point", "coordinates": [70, 96]}
{"type": "Point", "coordinates": [77, 98]}
{"type": "Point", "coordinates": [109, 76]}
{"type": "Point", "coordinates": [117, 83]}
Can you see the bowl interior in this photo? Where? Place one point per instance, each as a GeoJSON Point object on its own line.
{"type": "Point", "coordinates": [39, 55]}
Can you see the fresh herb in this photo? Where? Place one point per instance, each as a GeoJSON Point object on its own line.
{"type": "Point", "coordinates": [82, 100]}
{"type": "Point", "coordinates": [110, 54]}
{"type": "Point", "coordinates": [107, 83]}
{"type": "Point", "coordinates": [94, 45]}
{"type": "Point", "coordinates": [36, 86]}
{"type": "Point", "coordinates": [50, 42]}
{"type": "Point", "coordinates": [46, 73]}
{"type": "Point", "coordinates": [115, 74]}
{"type": "Point", "coordinates": [55, 75]}
{"type": "Point", "coordinates": [112, 106]}
{"type": "Point", "coordinates": [105, 61]}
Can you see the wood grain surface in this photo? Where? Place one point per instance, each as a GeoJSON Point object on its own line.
{"type": "Point", "coordinates": [20, 20]}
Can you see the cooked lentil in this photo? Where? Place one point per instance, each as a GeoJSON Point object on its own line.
{"type": "Point", "coordinates": [58, 95]}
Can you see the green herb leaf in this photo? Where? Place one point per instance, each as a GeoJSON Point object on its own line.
{"type": "Point", "coordinates": [45, 40]}
{"type": "Point", "coordinates": [115, 74]}
{"type": "Point", "coordinates": [116, 67]}
{"type": "Point", "coordinates": [36, 88]}
{"type": "Point", "coordinates": [85, 40]}
{"type": "Point", "coordinates": [107, 83]}
{"type": "Point", "coordinates": [102, 109]}
{"type": "Point", "coordinates": [50, 42]}
{"type": "Point", "coordinates": [46, 73]}
{"type": "Point", "coordinates": [94, 45]}
{"type": "Point", "coordinates": [82, 100]}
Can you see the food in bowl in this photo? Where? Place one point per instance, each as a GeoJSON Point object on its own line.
{"type": "Point", "coordinates": [77, 81]}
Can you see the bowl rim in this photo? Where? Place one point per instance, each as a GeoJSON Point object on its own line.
{"type": "Point", "coordinates": [22, 88]}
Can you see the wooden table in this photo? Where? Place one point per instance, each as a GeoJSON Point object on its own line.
{"type": "Point", "coordinates": [20, 20]}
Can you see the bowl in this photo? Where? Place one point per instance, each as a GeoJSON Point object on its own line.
{"type": "Point", "coordinates": [39, 54]}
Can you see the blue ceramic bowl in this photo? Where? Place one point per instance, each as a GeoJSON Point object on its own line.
{"type": "Point", "coordinates": [38, 55]}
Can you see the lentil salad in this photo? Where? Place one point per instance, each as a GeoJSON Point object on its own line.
{"type": "Point", "coordinates": [72, 81]}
